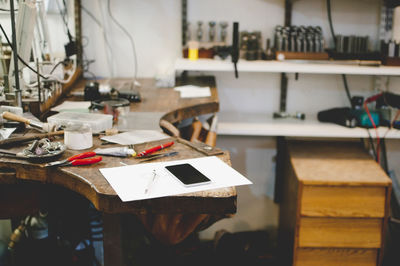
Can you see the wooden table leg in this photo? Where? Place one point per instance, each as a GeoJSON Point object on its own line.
{"type": "Point", "coordinates": [112, 240]}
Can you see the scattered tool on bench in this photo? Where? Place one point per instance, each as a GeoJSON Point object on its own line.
{"type": "Point", "coordinates": [79, 159]}
{"type": "Point", "coordinates": [34, 124]}
{"type": "Point", "coordinates": [156, 156]}
{"type": "Point", "coordinates": [154, 149]}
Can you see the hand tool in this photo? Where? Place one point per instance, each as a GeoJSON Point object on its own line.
{"type": "Point", "coordinates": [211, 31]}
{"type": "Point", "coordinates": [223, 26]}
{"type": "Point", "coordinates": [154, 149]}
{"type": "Point", "coordinates": [156, 156]}
{"type": "Point", "coordinates": [8, 153]}
{"type": "Point", "coordinates": [199, 31]}
{"type": "Point", "coordinates": [235, 47]}
{"type": "Point", "coordinates": [35, 124]}
{"type": "Point", "coordinates": [79, 159]}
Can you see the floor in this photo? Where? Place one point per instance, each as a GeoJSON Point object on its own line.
{"type": "Point", "coordinates": [243, 248]}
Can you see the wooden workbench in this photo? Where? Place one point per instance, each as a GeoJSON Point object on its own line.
{"type": "Point", "coordinates": [88, 181]}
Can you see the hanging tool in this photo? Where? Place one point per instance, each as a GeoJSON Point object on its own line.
{"type": "Point", "coordinates": [235, 47]}
{"type": "Point", "coordinates": [79, 159]}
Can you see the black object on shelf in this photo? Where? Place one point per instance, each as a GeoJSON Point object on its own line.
{"type": "Point", "coordinates": [341, 116]}
{"type": "Point", "coordinates": [235, 47]}
{"type": "Point", "coordinates": [91, 92]}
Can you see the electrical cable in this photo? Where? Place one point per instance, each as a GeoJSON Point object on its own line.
{"type": "Point", "coordinates": [130, 39]}
{"type": "Point", "coordinates": [109, 48]}
{"type": "Point", "coordinates": [7, 10]}
{"type": "Point", "coordinates": [376, 132]}
{"type": "Point", "coordinates": [371, 142]}
{"type": "Point", "coordinates": [63, 16]}
{"type": "Point", "coordinates": [344, 78]}
{"type": "Point", "coordinates": [20, 59]}
{"type": "Point", "coordinates": [55, 66]}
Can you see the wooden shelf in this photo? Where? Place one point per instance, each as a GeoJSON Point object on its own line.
{"type": "Point", "coordinates": [285, 66]}
{"type": "Point", "coordinates": [265, 125]}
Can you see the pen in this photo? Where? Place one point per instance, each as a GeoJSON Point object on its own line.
{"type": "Point", "coordinates": [154, 149]}
{"type": "Point", "coordinates": [151, 182]}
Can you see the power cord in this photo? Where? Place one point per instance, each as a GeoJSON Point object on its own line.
{"type": "Point", "coordinates": [20, 59]}
{"type": "Point", "coordinates": [130, 39]}
{"type": "Point", "coordinates": [110, 53]}
{"type": "Point", "coordinates": [344, 78]}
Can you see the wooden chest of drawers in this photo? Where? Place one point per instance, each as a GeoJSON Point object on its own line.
{"type": "Point", "coordinates": [335, 203]}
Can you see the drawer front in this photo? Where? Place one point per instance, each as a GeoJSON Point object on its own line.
{"type": "Point", "coordinates": [334, 257]}
{"type": "Point", "coordinates": [340, 232]}
{"type": "Point", "coordinates": [322, 201]}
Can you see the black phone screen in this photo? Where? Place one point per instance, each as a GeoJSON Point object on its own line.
{"type": "Point", "coordinates": [187, 174]}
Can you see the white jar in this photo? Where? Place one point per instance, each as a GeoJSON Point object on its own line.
{"type": "Point", "coordinates": [78, 136]}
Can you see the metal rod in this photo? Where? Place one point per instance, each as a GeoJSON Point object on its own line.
{"type": "Point", "coordinates": [18, 96]}
{"type": "Point", "coordinates": [184, 22]}
{"type": "Point", "coordinates": [283, 97]}
{"type": "Point", "coordinates": [38, 81]}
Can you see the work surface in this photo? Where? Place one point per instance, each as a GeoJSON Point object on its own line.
{"type": "Point", "coordinates": [88, 181]}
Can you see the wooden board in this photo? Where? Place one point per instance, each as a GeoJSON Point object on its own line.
{"type": "Point", "coordinates": [335, 163]}
{"type": "Point", "coordinates": [328, 201]}
{"type": "Point", "coordinates": [340, 232]}
{"type": "Point", "coordinates": [335, 257]}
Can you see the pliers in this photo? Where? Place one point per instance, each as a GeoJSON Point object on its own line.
{"type": "Point", "coordinates": [79, 159]}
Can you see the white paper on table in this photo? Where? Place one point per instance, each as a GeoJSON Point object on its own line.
{"type": "Point", "coordinates": [130, 182]}
{"type": "Point", "coordinates": [135, 137]}
{"type": "Point", "coordinates": [191, 91]}
{"type": "Point", "coordinates": [5, 133]}
{"type": "Point", "coordinates": [71, 106]}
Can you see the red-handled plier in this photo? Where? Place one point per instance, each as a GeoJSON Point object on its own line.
{"type": "Point", "coordinates": [79, 159]}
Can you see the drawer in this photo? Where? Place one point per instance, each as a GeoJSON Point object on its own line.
{"type": "Point", "coordinates": [340, 232]}
{"type": "Point", "coordinates": [334, 257]}
{"type": "Point", "coordinates": [322, 201]}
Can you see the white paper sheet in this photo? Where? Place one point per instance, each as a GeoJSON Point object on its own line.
{"type": "Point", "coordinates": [5, 133]}
{"type": "Point", "coordinates": [135, 137]}
{"type": "Point", "coordinates": [191, 91]}
{"type": "Point", "coordinates": [130, 182]}
{"type": "Point", "coordinates": [69, 106]}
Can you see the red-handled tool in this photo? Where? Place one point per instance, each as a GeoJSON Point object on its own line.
{"type": "Point", "coordinates": [85, 158]}
{"type": "Point", "coordinates": [154, 149]}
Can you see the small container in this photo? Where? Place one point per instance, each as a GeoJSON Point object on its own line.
{"type": "Point", "coordinates": [193, 50]}
{"type": "Point", "coordinates": [78, 136]}
{"type": "Point", "coordinates": [98, 122]}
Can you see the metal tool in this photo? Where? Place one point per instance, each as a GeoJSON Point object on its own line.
{"type": "Point", "coordinates": [224, 26]}
{"type": "Point", "coordinates": [79, 159]}
{"type": "Point", "coordinates": [35, 124]}
{"type": "Point", "coordinates": [199, 30]}
{"type": "Point", "coordinates": [211, 31]}
{"type": "Point", "coordinates": [282, 110]}
{"type": "Point", "coordinates": [156, 156]}
{"type": "Point", "coordinates": [39, 150]}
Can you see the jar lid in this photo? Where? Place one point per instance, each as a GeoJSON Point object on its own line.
{"type": "Point", "coordinates": [113, 103]}
{"type": "Point", "coordinates": [77, 127]}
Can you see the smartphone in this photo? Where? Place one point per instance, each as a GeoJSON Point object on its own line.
{"type": "Point", "coordinates": [188, 175]}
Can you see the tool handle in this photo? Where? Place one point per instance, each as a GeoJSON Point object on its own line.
{"type": "Point", "coordinates": [10, 116]}
{"type": "Point", "coordinates": [157, 148]}
{"type": "Point", "coordinates": [86, 161]}
{"type": "Point", "coordinates": [82, 156]}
